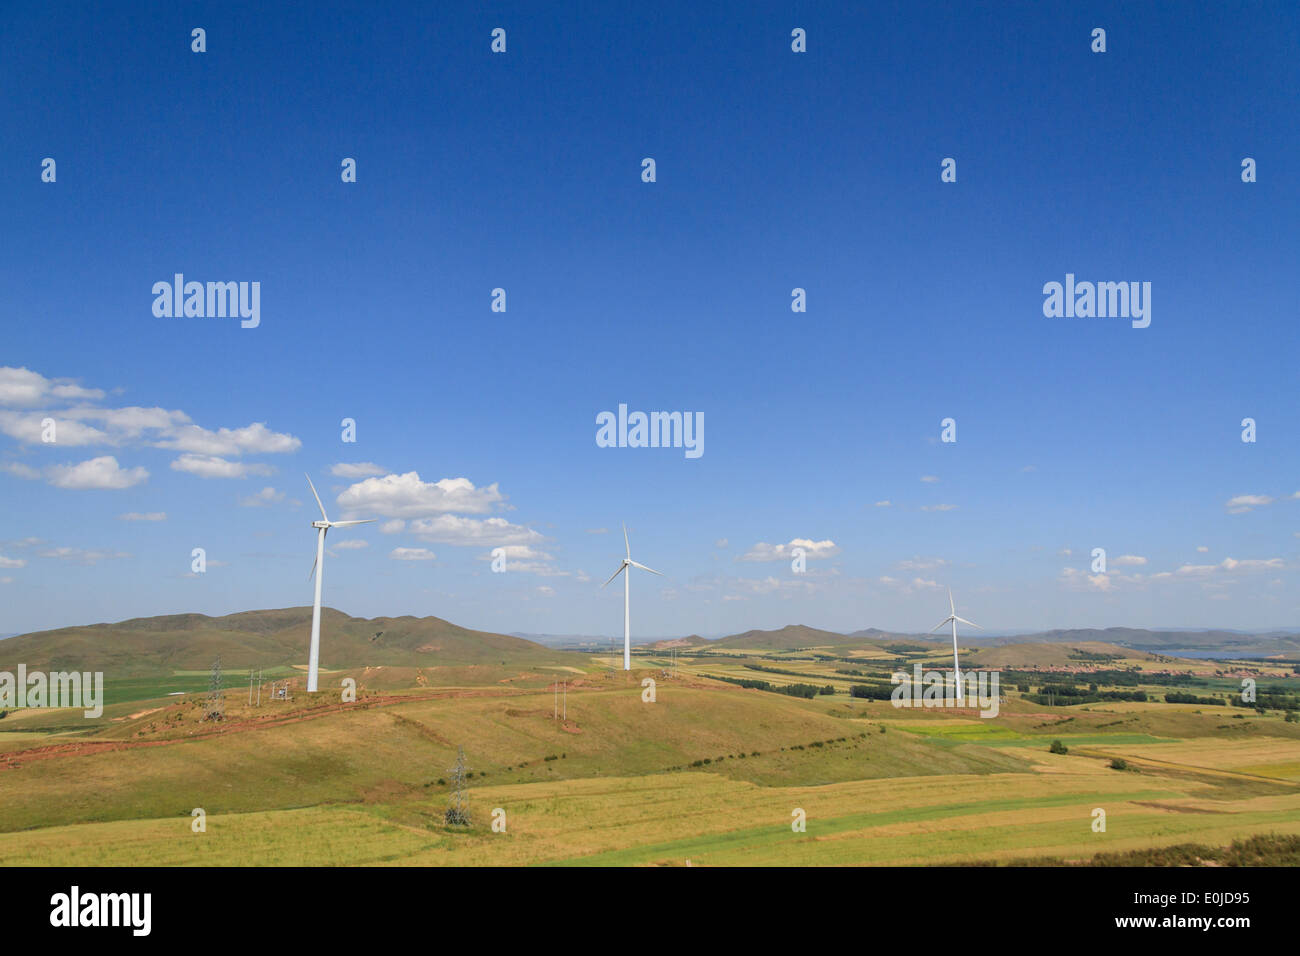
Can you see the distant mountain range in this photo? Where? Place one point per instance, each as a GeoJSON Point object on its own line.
{"type": "Point", "coordinates": [1279, 643]}
{"type": "Point", "coordinates": [279, 637]}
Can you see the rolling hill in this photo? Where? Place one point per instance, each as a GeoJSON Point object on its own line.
{"type": "Point", "coordinates": [1229, 643]}
{"type": "Point", "coordinates": [790, 637]}
{"type": "Point", "coordinates": [1043, 654]}
{"type": "Point", "coordinates": [268, 638]}
{"type": "Point", "coordinates": [1132, 639]}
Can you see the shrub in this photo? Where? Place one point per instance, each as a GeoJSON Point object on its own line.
{"type": "Point", "coordinates": [456, 818]}
{"type": "Point", "coordinates": [1059, 748]}
{"type": "Point", "coordinates": [1119, 763]}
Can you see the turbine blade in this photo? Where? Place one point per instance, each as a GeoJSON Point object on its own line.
{"type": "Point", "coordinates": [952, 608]}
{"type": "Point", "coordinates": [313, 569]}
{"type": "Point", "coordinates": [621, 569]}
{"type": "Point", "coordinates": [943, 623]}
{"type": "Point", "coordinates": [344, 524]}
{"type": "Point", "coordinates": [626, 547]}
{"type": "Point", "coordinates": [636, 564]}
{"type": "Point", "coordinates": [971, 623]}
{"type": "Point", "coordinates": [317, 497]}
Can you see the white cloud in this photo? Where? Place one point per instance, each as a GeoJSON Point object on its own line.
{"type": "Point", "coordinates": [406, 496]}
{"type": "Point", "coordinates": [1081, 580]}
{"type": "Point", "coordinates": [721, 543]}
{"type": "Point", "coordinates": [1243, 503]}
{"type": "Point", "coordinates": [759, 586]}
{"type": "Point", "coordinates": [146, 516]}
{"type": "Point", "coordinates": [357, 469]}
{"type": "Point", "coordinates": [524, 559]}
{"type": "Point", "coordinates": [103, 472]}
{"type": "Point", "coordinates": [929, 479]}
{"type": "Point", "coordinates": [27, 428]}
{"type": "Point", "coordinates": [350, 544]}
{"type": "Point", "coordinates": [1129, 561]}
{"type": "Point", "coordinates": [210, 466]}
{"type": "Point", "coordinates": [1202, 548]}
{"type": "Point", "coordinates": [267, 496]}
{"type": "Point", "coordinates": [19, 470]}
{"type": "Point", "coordinates": [81, 555]}
{"type": "Point", "coordinates": [251, 439]}
{"type": "Point", "coordinates": [938, 507]}
{"type": "Point", "coordinates": [89, 423]}
{"type": "Point", "coordinates": [396, 526]}
{"type": "Point", "coordinates": [922, 564]}
{"type": "Point", "coordinates": [908, 587]}
{"type": "Point", "coordinates": [884, 504]}
{"type": "Point", "coordinates": [545, 591]}
{"type": "Point", "coordinates": [95, 473]}
{"type": "Point", "coordinates": [12, 562]}
{"type": "Point", "coordinates": [1231, 565]}
{"type": "Point", "coordinates": [412, 554]}
{"type": "Point", "coordinates": [597, 531]}
{"type": "Point", "coordinates": [763, 551]}
{"type": "Point", "coordinates": [489, 532]}
{"type": "Point", "coordinates": [22, 387]}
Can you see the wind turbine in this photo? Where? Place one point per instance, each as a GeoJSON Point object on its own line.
{"type": "Point", "coordinates": [318, 569]}
{"type": "Point", "coordinates": [627, 620]}
{"type": "Point", "coordinates": [953, 618]}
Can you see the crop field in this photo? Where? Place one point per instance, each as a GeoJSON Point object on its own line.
{"type": "Point", "coordinates": [701, 819]}
{"type": "Point", "coordinates": [709, 773]}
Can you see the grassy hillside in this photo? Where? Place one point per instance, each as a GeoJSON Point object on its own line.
{"type": "Point", "coordinates": [152, 766]}
{"type": "Point", "coordinates": [625, 782]}
{"type": "Point", "coordinates": [270, 638]}
{"type": "Point", "coordinates": [708, 772]}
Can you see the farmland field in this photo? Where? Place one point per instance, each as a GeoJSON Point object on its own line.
{"type": "Point", "coordinates": [709, 773]}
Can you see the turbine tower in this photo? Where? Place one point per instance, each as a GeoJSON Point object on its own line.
{"type": "Point", "coordinates": [627, 565]}
{"type": "Point", "coordinates": [318, 569]}
{"type": "Point", "coordinates": [953, 619]}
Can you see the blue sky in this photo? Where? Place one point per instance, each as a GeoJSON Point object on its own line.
{"type": "Point", "coordinates": [775, 170]}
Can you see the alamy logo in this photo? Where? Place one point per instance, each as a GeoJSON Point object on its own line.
{"type": "Point", "coordinates": [1086, 300]}
{"type": "Point", "coordinates": [939, 689]}
{"type": "Point", "coordinates": [655, 430]}
{"type": "Point", "coordinates": [213, 300]}
{"type": "Point", "coordinates": [103, 909]}
{"type": "Point", "coordinates": [59, 689]}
